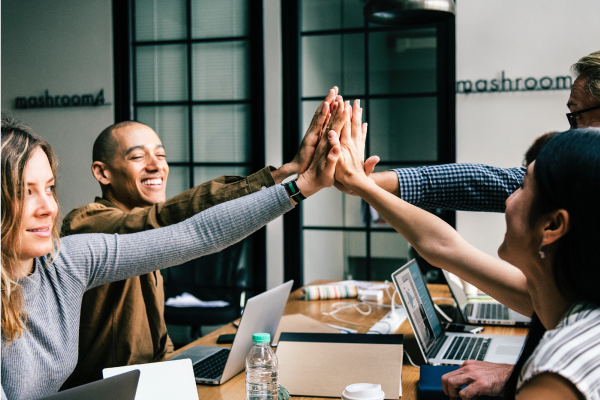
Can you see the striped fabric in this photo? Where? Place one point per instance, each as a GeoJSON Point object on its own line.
{"type": "Point", "coordinates": [323, 292]}
{"type": "Point", "coordinates": [464, 187]}
{"type": "Point", "coordinates": [572, 350]}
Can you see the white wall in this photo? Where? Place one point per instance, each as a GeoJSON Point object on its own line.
{"type": "Point", "coordinates": [523, 38]}
{"type": "Point", "coordinates": [64, 46]}
{"type": "Point", "coordinates": [273, 128]}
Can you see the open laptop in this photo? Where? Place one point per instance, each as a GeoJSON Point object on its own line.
{"type": "Point", "coordinates": [119, 387]}
{"type": "Point", "coordinates": [439, 346]}
{"type": "Point", "coordinates": [486, 311]}
{"type": "Point", "coordinates": [215, 365]}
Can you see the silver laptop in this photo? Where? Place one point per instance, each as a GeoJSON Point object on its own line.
{"type": "Point", "coordinates": [485, 311]}
{"type": "Point", "coordinates": [215, 365]}
{"type": "Point", "coordinates": [439, 346]}
{"type": "Point", "coordinates": [120, 387]}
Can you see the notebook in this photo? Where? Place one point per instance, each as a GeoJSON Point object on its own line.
{"type": "Point", "coordinates": [119, 387]}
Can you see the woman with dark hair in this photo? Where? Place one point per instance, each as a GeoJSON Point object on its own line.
{"type": "Point", "coordinates": [551, 246]}
{"type": "Point", "coordinates": [43, 277]}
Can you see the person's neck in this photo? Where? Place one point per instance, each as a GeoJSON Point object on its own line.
{"type": "Point", "coordinates": [113, 199]}
{"type": "Point", "coordinates": [549, 303]}
{"type": "Point", "coordinates": [25, 270]}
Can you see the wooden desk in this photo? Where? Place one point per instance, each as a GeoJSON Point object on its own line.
{"type": "Point", "coordinates": [235, 388]}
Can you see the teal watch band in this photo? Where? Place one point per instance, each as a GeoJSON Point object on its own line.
{"type": "Point", "coordinates": [293, 191]}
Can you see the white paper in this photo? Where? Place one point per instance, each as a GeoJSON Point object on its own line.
{"type": "Point", "coordinates": [162, 380]}
{"type": "Point", "coordinates": [188, 300]}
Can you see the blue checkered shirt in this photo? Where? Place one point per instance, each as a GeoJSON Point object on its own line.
{"type": "Point", "coordinates": [464, 187]}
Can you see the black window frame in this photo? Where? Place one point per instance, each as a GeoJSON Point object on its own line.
{"type": "Point", "coordinates": [125, 104]}
{"type": "Point", "coordinates": [292, 124]}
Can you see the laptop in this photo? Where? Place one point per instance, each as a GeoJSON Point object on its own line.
{"type": "Point", "coordinates": [485, 311]}
{"type": "Point", "coordinates": [446, 348]}
{"type": "Point", "coordinates": [119, 387]}
{"type": "Point", "coordinates": [216, 365]}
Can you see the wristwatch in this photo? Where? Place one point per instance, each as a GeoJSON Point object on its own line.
{"type": "Point", "coordinates": [293, 191]}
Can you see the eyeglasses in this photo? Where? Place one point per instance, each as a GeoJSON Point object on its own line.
{"type": "Point", "coordinates": [572, 117]}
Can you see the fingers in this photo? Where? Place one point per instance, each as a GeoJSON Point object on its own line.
{"type": "Point", "coordinates": [370, 164]}
{"type": "Point", "coordinates": [338, 117]}
{"type": "Point", "coordinates": [364, 131]}
{"type": "Point", "coordinates": [332, 157]}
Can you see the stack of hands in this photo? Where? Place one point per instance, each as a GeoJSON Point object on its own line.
{"type": "Point", "coordinates": [332, 151]}
{"type": "Point", "coordinates": [332, 154]}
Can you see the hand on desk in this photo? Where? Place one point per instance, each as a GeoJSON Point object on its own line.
{"type": "Point", "coordinates": [482, 378]}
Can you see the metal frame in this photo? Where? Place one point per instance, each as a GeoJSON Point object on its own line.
{"type": "Point", "coordinates": [446, 111]}
{"type": "Point", "coordinates": [126, 103]}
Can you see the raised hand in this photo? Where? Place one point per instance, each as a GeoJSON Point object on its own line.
{"type": "Point", "coordinates": [315, 131]}
{"type": "Point", "coordinates": [351, 165]}
{"type": "Point", "coordinates": [320, 173]}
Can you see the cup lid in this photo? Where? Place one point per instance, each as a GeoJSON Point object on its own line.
{"type": "Point", "coordinates": [363, 391]}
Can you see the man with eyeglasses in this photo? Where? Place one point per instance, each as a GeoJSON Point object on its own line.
{"type": "Point", "coordinates": [478, 187]}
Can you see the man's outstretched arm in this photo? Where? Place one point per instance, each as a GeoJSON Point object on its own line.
{"type": "Point", "coordinates": [463, 187]}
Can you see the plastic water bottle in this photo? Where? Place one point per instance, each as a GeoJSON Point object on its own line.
{"type": "Point", "coordinates": [261, 369]}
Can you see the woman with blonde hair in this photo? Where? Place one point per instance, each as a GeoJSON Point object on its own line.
{"type": "Point", "coordinates": [44, 277]}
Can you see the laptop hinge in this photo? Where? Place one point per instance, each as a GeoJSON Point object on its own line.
{"type": "Point", "coordinates": [439, 342]}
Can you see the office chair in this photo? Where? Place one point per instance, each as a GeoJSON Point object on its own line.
{"type": "Point", "coordinates": [219, 276]}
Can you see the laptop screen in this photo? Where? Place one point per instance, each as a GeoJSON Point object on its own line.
{"type": "Point", "coordinates": [457, 290]}
{"type": "Point", "coordinates": [417, 302]}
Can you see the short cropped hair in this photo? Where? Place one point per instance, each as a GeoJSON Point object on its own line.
{"type": "Point", "coordinates": [105, 145]}
{"type": "Point", "coordinates": [589, 67]}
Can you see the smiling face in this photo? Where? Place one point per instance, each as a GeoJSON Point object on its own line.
{"type": "Point", "coordinates": [137, 174]}
{"type": "Point", "coordinates": [40, 209]}
{"type": "Point", "coordinates": [522, 238]}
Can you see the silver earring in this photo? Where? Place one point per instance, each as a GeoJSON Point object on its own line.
{"type": "Point", "coordinates": [542, 253]}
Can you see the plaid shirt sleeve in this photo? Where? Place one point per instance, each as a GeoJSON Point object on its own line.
{"type": "Point", "coordinates": [463, 187]}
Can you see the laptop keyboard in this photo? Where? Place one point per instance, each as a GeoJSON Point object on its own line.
{"type": "Point", "coordinates": [212, 367]}
{"type": "Point", "coordinates": [492, 311]}
{"type": "Point", "coordinates": [467, 348]}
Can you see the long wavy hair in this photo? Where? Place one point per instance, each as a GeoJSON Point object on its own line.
{"type": "Point", "coordinates": [567, 174]}
{"type": "Point", "coordinates": [18, 145]}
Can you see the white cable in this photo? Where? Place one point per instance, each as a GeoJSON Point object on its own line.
{"type": "Point", "coordinates": [443, 314]}
{"type": "Point", "coordinates": [410, 360]}
{"type": "Point", "coordinates": [346, 306]}
{"type": "Point", "coordinates": [445, 299]}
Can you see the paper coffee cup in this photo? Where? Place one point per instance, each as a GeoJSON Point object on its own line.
{"type": "Point", "coordinates": [363, 391]}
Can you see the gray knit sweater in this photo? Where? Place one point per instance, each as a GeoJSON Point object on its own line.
{"type": "Point", "coordinates": [37, 364]}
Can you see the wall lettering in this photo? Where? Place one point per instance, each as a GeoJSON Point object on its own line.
{"type": "Point", "coordinates": [48, 101]}
{"type": "Point", "coordinates": [504, 84]}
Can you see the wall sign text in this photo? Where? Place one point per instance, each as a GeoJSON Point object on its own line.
{"type": "Point", "coordinates": [504, 84]}
{"type": "Point", "coordinates": [50, 101]}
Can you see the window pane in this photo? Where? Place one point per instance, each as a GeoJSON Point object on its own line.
{"type": "Point", "coordinates": [178, 181]}
{"type": "Point", "coordinates": [330, 207]}
{"type": "Point", "coordinates": [402, 61]}
{"type": "Point", "coordinates": [332, 254]}
{"type": "Point", "coordinates": [172, 126]}
{"type": "Point", "coordinates": [331, 14]}
{"type": "Point", "coordinates": [161, 73]}
{"type": "Point", "coordinates": [205, 174]}
{"type": "Point", "coordinates": [222, 133]}
{"type": "Point", "coordinates": [404, 129]}
{"type": "Point", "coordinates": [389, 251]}
{"type": "Point", "coordinates": [222, 18]}
{"type": "Point", "coordinates": [160, 20]}
{"type": "Point", "coordinates": [220, 71]}
{"type": "Point", "coordinates": [333, 60]}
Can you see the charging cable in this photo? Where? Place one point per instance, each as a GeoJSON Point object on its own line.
{"type": "Point", "coordinates": [344, 306]}
{"type": "Point", "coordinates": [410, 360]}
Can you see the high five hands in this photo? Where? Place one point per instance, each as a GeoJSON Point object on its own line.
{"type": "Point", "coordinates": [337, 158]}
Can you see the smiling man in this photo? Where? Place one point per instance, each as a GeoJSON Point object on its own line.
{"type": "Point", "coordinates": [122, 323]}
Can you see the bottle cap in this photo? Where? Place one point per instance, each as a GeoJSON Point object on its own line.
{"type": "Point", "coordinates": [261, 338]}
{"type": "Point", "coordinates": [363, 391]}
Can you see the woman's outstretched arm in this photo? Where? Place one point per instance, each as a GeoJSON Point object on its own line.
{"type": "Point", "coordinates": [434, 239]}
